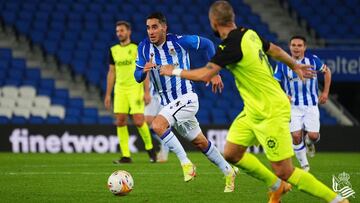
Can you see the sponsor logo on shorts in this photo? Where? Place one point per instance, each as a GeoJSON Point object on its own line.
{"type": "Point", "coordinates": [272, 143]}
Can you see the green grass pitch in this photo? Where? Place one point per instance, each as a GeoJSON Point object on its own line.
{"type": "Point", "coordinates": [83, 178]}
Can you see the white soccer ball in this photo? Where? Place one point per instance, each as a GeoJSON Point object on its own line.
{"type": "Point", "coordinates": [120, 183]}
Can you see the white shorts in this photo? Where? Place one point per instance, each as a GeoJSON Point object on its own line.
{"type": "Point", "coordinates": [154, 107]}
{"type": "Point", "coordinates": [305, 117]}
{"type": "Point", "coordinates": [180, 114]}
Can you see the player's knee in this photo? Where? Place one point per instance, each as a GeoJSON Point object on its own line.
{"type": "Point", "coordinates": [158, 127]}
{"type": "Point", "coordinates": [120, 121]}
{"type": "Point", "coordinates": [297, 138]}
{"type": "Point", "coordinates": [314, 136]}
{"type": "Point", "coordinates": [232, 157]}
{"type": "Point", "coordinates": [138, 123]}
{"type": "Point", "coordinates": [283, 174]}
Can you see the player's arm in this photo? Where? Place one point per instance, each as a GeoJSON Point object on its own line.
{"type": "Point", "coordinates": [327, 82]}
{"type": "Point", "coordinates": [302, 70]}
{"type": "Point", "coordinates": [110, 81]}
{"type": "Point", "coordinates": [147, 96]}
{"type": "Point", "coordinates": [204, 74]}
{"type": "Point", "coordinates": [142, 66]}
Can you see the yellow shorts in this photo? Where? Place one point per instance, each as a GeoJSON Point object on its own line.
{"type": "Point", "coordinates": [273, 134]}
{"type": "Point", "coordinates": [129, 101]}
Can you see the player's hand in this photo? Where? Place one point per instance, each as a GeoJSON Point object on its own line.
{"type": "Point", "coordinates": [147, 98]}
{"type": "Point", "coordinates": [323, 97]}
{"type": "Point", "coordinates": [107, 102]}
{"type": "Point", "coordinates": [166, 70]}
{"type": "Point", "coordinates": [304, 71]}
{"type": "Point", "coordinates": [217, 84]}
{"type": "Point", "coordinates": [289, 97]}
{"type": "Point", "coordinates": [149, 65]}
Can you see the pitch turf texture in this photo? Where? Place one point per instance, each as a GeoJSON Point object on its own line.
{"type": "Point", "coordinates": [83, 178]}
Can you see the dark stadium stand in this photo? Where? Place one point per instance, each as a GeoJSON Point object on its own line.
{"type": "Point", "coordinates": [79, 33]}
{"type": "Point", "coordinates": [331, 19]}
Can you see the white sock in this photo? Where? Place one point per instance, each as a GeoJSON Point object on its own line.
{"type": "Point", "coordinates": [171, 141]}
{"type": "Point", "coordinates": [214, 156]}
{"type": "Point", "coordinates": [276, 185]}
{"type": "Point", "coordinates": [337, 199]}
{"type": "Point", "coordinates": [300, 153]}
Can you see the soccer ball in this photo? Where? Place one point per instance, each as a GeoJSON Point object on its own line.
{"type": "Point", "coordinates": [120, 183]}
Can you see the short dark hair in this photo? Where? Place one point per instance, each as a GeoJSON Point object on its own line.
{"type": "Point", "coordinates": [158, 15]}
{"type": "Point", "coordinates": [223, 12]}
{"type": "Point", "coordinates": [298, 37]}
{"type": "Point", "coordinates": [124, 23]}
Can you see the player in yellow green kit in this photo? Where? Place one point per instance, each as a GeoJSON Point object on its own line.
{"type": "Point", "coordinates": [266, 115]}
{"type": "Point", "coordinates": [128, 94]}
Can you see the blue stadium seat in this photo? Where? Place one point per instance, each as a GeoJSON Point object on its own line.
{"type": "Point", "coordinates": [90, 112]}
{"type": "Point", "coordinates": [52, 120]}
{"type": "Point", "coordinates": [71, 120]}
{"type": "Point", "coordinates": [107, 120]}
{"type": "Point", "coordinates": [4, 120]}
{"type": "Point", "coordinates": [88, 120]}
{"type": "Point", "coordinates": [36, 120]}
{"type": "Point", "coordinates": [18, 120]}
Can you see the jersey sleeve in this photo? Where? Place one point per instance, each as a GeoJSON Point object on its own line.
{"type": "Point", "coordinates": [111, 58]}
{"type": "Point", "coordinates": [228, 52]}
{"type": "Point", "coordinates": [140, 58]}
{"type": "Point", "coordinates": [318, 64]}
{"type": "Point", "coordinates": [189, 41]}
{"type": "Point", "coordinates": [278, 74]}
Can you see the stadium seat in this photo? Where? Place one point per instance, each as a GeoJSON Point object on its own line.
{"type": "Point", "coordinates": [23, 102]}
{"type": "Point", "coordinates": [27, 92]}
{"type": "Point", "coordinates": [21, 111]}
{"type": "Point", "coordinates": [18, 120]}
{"type": "Point", "coordinates": [42, 102]}
{"type": "Point", "coordinates": [10, 92]}
{"type": "Point", "coordinates": [7, 102]}
{"type": "Point", "coordinates": [39, 112]}
{"type": "Point", "coordinates": [36, 120]}
{"type": "Point", "coordinates": [4, 120]}
{"type": "Point", "coordinates": [5, 112]}
{"type": "Point", "coordinates": [56, 111]}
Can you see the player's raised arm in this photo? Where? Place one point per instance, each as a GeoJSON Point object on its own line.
{"type": "Point", "coordinates": [142, 66]}
{"type": "Point", "coordinates": [302, 70]}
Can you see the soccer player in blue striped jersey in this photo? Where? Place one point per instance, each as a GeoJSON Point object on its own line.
{"type": "Point", "coordinates": [304, 99]}
{"type": "Point", "coordinates": [180, 103]}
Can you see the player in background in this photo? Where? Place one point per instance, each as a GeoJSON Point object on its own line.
{"type": "Point", "coordinates": [180, 103]}
{"type": "Point", "coordinates": [128, 94]}
{"type": "Point", "coordinates": [266, 115]}
{"type": "Point", "coordinates": [304, 99]}
{"type": "Point", "coordinates": [153, 107]}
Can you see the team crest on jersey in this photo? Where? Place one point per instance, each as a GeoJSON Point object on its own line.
{"type": "Point", "coordinates": [272, 143]}
{"type": "Point", "coordinates": [172, 52]}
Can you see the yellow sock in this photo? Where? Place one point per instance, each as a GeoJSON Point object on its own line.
{"type": "Point", "coordinates": [146, 136]}
{"type": "Point", "coordinates": [123, 136]}
{"type": "Point", "coordinates": [306, 182]}
{"type": "Point", "coordinates": [252, 166]}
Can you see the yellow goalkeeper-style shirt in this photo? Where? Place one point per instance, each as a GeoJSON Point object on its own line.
{"type": "Point", "coordinates": [243, 54]}
{"type": "Point", "coordinates": [123, 58]}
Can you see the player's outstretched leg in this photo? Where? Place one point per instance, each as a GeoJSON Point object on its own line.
{"type": "Point", "coordinates": [304, 181]}
{"type": "Point", "coordinates": [213, 154]}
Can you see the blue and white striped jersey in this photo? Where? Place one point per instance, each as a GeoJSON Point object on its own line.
{"type": "Point", "coordinates": [302, 93]}
{"type": "Point", "coordinates": [175, 51]}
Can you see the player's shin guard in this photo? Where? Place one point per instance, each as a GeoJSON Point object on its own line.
{"type": "Point", "coordinates": [145, 135]}
{"type": "Point", "coordinates": [252, 166]}
{"type": "Point", "coordinates": [123, 136]}
{"type": "Point", "coordinates": [306, 182]}
{"type": "Point", "coordinates": [171, 141]}
{"type": "Point", "coordinates": [214, 156]}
